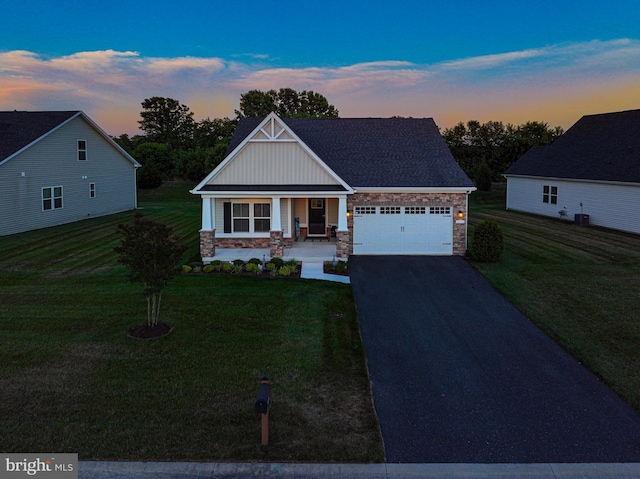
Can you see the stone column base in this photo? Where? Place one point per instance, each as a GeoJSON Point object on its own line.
{"type": "Point", "coordinates": [343, 244]}
{"type": "Point", "coordinates": [207, 243]}
{"type": "Point", "coordinates": [276, 248]}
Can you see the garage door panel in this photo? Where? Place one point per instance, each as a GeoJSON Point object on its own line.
{"type": "Point", "coordinates": [403, 230]}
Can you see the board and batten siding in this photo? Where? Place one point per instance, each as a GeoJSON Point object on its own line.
{"type": "Point", "coordinates": [53, 161]}
{"type": "Point", "coordinates": [273, 163]}
{"type": "Point", "coordinates": [608, 205]}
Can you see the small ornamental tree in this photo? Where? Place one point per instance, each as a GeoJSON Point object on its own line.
{"type": "Point", "coordinates": [487, 243]}
{"type": "Point", "coordinates": [151, 253]}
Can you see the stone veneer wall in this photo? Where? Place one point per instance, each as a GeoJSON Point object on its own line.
{"type": "Point", "coordinates": [457, 201]}
{"type": "Point", "coordinates": [209, 243]}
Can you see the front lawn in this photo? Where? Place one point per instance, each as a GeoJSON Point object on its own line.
{"type": "Point", "coordinates": [71, 380]}
{"type": "Point", "coordinates": [578, 284]}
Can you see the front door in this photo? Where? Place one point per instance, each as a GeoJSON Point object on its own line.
{"type": "Point", "coordinates": [317, 213]}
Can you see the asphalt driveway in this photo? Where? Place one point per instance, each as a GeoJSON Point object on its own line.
{"type": "Point", "coordinates": [460, 375]}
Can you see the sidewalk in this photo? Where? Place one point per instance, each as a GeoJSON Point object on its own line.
{"type": "Point", "coordinates": [201, 470]}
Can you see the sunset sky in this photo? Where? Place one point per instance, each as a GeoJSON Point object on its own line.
{"type": "Point", "coordinates": [509, 61]}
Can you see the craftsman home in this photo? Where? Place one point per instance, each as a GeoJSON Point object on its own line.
{"type": "Point", "coordinates": [590, 175]}
{"type": "Point", "coordinates": [58, 167]}
{"type": "Point", "coordinates": [374, 186]}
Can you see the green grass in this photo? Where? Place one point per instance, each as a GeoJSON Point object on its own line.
{"type": "Point", "coordinates": [72, 381]}
{"type": "Point", "coordinates": [579, 285]}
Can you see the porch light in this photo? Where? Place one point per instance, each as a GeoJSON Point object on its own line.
{"type": "Point", "coordinates": [348, 213]}
{"type": "Point", "coordinates": [460, 215]}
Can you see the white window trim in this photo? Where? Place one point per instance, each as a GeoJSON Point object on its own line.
{"type": "Point", "coordinates": [550, 196]}
{"type": "Point", "coordinates": [92, 190]}
{"type": "Point", "coordinates": [251, 233]}
{"type": "Point", "coordinates": [86, 148]}
{"type": "Point", "coordinates": [52, 188]}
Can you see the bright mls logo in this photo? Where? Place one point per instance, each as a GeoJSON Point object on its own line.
{"type": "Point", "coordinates": [54, 466]}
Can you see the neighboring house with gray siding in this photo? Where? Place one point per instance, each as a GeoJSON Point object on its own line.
{"type": "Point", "coordinates": [592, 169]}
{"type": "Point", "coordinates": [369, 185]}
{"type": "Point", "coordinates": [59, 167]}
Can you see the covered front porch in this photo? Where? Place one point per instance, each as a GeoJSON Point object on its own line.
{"type": "Point", "coordinates": [291, 224]}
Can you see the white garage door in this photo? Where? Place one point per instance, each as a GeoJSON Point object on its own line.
{"type": "Point", "coordinates": [403, 230]}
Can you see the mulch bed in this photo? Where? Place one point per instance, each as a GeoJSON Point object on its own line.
{"type": "Point", "coordinates": [144, 331]}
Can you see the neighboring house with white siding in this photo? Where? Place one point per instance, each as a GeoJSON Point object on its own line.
{"type": "Point", "coordinates": [369, 185]}
{"type": "Point", "coordinates": [59, 167]}
{"type": "Point", "coordinates": [592, 170]}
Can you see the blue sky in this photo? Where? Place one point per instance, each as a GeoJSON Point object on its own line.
{"type": "Point", "coordinates": [450, 60]}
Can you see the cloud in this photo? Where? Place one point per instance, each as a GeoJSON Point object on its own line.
{"type": "Point", "coordinates": [109, 85]}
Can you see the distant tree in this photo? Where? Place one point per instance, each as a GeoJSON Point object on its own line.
{"type": "Point", "coordinates": [482, 177]}
{"type": "Point", "coordinates": [165, 120]}
{"type": "Point", "coordinates": [497, 145]}
{"type": "Point", "coordinates": [286, 103]}
{"type": "Point", "coordinates": [160, 155]}
{"type": "Point", "coordinates": [151, 253]}
{"type": "Point", "coordinates": [208, 132]}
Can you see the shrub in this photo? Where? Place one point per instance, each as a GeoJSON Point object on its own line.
{"type": "Point", "coordinates": [252, 268]}
{"type": "Point", "coordinates": [238, 268]}
{"type": "Point", "coordinates": [270, 267]}
{"type": "Point", "coordinates": [209, 268]}
{"type": "Point", "coordinates": [238, 262]}
{"type": "Point", "coordinates": [292, 264]}
{"type": "Point", "coordinates": [277, 261]}
{"type": "Point", "coordinates": [487, 243]}
{"type": "Point", "coordinates": [284, 271]}
{"type": "Point", "coordinates": [255, 261]}
{"type": "Point", "coordinates": [341, 267]}
{"type": "Point", "coordinates": [186, 268]}
{"type": "Point", "coordinates": [227, 267]}
{"type": "Point", "coordinates": [217, 264]}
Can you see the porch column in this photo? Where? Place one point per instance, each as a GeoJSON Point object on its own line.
{"type": "Point", "coordinates": [208, 214]}
{"type": "Point", "coordinates": [342, 214]}
{"type": "Point", "coordinates": [276, 224]}
{"type": "Point", "coordinates": [276, 248]}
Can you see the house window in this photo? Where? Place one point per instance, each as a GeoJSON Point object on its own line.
{"type": "Point", "coordinates": [52, 198]}
{"type": "Point", "coordinates": [250, 217]}
{"type": "Point", "coordinates": [240, 217]}
{"type": "Point", "coordinates": [261, 217]}
{"type": "Point", "coordinates": [92, 190]}
{"type": "Point", "coordinates": [550, 194]}
{"type": "Point", "coordinates": [82, 150]}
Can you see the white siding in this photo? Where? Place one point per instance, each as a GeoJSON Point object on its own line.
{"type": "Point", "coordinates": [273, 163]}
{"type": "Point", "coordinates": [53, 161]}
{"type": "Point", "coordinates": [608, 205]}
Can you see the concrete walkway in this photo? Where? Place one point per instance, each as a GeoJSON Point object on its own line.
{"type": "Point", "coordinates": [209, 470]}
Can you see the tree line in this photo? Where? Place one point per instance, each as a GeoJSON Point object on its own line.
{"type": "Point", "coordinates": [486, 150]}
{"type": "Point", "coordinates": [174, 145]}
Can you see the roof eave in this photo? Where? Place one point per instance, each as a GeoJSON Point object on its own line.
{"type": "Point", "coordinates": [415, 189]}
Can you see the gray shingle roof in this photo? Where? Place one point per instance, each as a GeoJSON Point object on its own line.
{"type": "Point", "coordinates": [19, 128]}
{"type": "Point", "coordinates": [375, 152]}
{"type": "Point", "coordinates": [603, 147]}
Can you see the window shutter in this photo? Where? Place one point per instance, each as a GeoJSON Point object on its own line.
{"type": "Point", "coordinates": [227, 217]}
